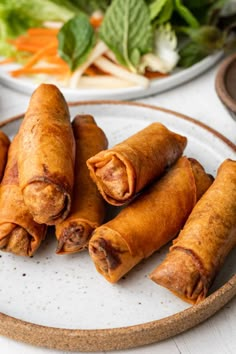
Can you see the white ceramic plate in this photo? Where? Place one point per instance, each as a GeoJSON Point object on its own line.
{"type": "Point", "coordinates": [27, 85]}
{"type": "Point", "coordinates": [67, 292]}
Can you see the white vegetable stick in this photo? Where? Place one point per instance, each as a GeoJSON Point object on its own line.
{"type": "Point", "coordinates": [113, 69]}
{"type": "Point", "coordinates": [103, 82]}
{"type": "Point", "coordinates": [97, 51]}
{"type": "Point", "coordinates": [53, 24]}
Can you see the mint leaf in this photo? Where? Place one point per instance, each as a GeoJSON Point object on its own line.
{"type": "Point", "coordinates": [76, 39]}
{"type": "Point", "coordinates": [126, 30]}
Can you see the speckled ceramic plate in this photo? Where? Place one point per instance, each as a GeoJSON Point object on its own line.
{"type": "Point", "coordinates": [62, 302]}
{"type": "Point", "coordinates": [179, 76]}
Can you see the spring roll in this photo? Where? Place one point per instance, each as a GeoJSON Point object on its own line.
{"type": "Point", "coordinates": [4, 145]}
{"type": "Point", "coordinates": [149, 221]}
{"type": "Point", "coordinates": [19, 233]}
{"type": "Point", "coordinates": [46, 156]}
{"type": "Point", "coordinates": [209, 234]}
{"type": "Point", "coordinates": [88, 206]}
{"type": "Point", "coordinates": [128, 167]}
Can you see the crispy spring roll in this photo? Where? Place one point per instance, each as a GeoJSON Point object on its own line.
{"type": "Point", "coordinates": [4, 145]}
{"type": "Point", "coordinates": [46, 156]}
{"type": "Point", "coordinates": [149, 221]}
{"type": "Point", "coordinates": [125, 169]}
{"type": "Point", "coordinates": [19, 233]}
{"type": "Point", "coordinates": [209, 234]}
{"type": "Point", "coordinates": [88, 206]}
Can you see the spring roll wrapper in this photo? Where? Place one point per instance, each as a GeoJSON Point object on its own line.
{"type": "Point", "coordinates": [19, 233]}
{"type": "Point", "coordinates": [209, 234]}
{"type": "Point", "coordinates": [4, 145]}
{"type": "Point", "coordinates": [46, 156]}
{"type": "Point", "coordinates": [148, 222]}
{"type": "Point", "coordinates": [88, 206]}
{"type": "Point", "coordinates": [125, 169]}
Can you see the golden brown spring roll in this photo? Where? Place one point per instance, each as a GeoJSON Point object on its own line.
{"type": "Point", "coordinates": [19, 233]}
{"type": "Point", "coordinates": [88, 206]}
{"type": "Point", "coordinates": [149, 221]}
{"type": "Point", "coordinates": [46, 156]}
{"type": "Point", "coordinates": [4, 145]}
{"type": "Point", "coordinates": [206, 239]}
{"type": "Point", "coordinates": [125, 169]}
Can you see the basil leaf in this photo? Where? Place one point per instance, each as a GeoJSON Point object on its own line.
{"type": "Point", "coordinates": [76, 39]}
{"type": "Point", "coordinates": [126, 30]}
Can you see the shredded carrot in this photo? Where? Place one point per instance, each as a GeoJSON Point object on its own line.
{"type": "Point", "coordinates": [42, 31]}
{"type": "Point", "coordinates": [42, 45]}
{"type": "Point", "coordinates": [7, 61]}
{"type": "Point", "coordinates": [51, 70]}
{"type": "Point", "coordinates": [40, 54]}
{"type": "Point", "coordinates": [54, 59]}
{"type": "Point", "coordinates": [96, 20]}
{"type": "Point", "coordinates": [154, 74]}
{"type": "Point", "coordinates": [92, 70]}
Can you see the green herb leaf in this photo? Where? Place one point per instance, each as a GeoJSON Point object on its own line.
{"type": "Point", "coordinates": [76, 39]}
{"type": "Point", "coordinates": [156, 7]}
{"type": "Point", "coordinates": [190, 54]}
{"type": "Point", "coordinates": [91, 5]}
{"type": "Point", "coordinates": [202, 42]}
{"type": "Point", "coordinates": [126, 30]}
{"type": "Point", "coordinates": [165, 13]}
{"type": "Point", "coordinates": [186, 14]}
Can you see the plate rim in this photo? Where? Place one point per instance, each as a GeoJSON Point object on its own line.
{"type": "Point", "coordinates": [125, 337]}
{"type": "Point", "coordinates": [133, 92]}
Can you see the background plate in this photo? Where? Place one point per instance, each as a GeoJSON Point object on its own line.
{"type": "Point", "coordinates": [63, 303]}
{"type": "Point", "coordinates": [27, 85]}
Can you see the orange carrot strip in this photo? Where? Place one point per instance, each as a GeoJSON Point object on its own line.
{"type": "Point", "coordinates": [50, 48]}
{"type": "Point", "coordinates": [42, 31]}
{"type": "Point", "coordinates": [154, 74]}
{"type": "Point", "coordinates": [52, 59]}
{"type": "Point", "coordinates": [56, 70]}
{"type": "Point", "coordinates": [93, 71]}
{"type": "Point", "coordinates": [96, 21]}
{"type": "Point", "coordinates": [27, 48]}
{"type": "Point", "coordinates": [38, 41]}
{"type": "Point", "coordinates": [6, 61]}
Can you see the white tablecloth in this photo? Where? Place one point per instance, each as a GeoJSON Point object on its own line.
{"type": "Point", "coordinates": [198, 100]}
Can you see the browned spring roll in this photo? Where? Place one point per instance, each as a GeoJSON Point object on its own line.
{"type": "Point", "coordinates": [88, 206]}
{"type": "Point", "coordinates": [149, 221]}
{"type": "Point", "coordinates": [46, 156]}
{"type": "Point", "coordinates": [125, 169]}
{"type": "Point", "coordinates": [4, 145]}
{"type": "Point", "coordinates": [206, 239]}
{"type": "Point", "coordinates": [19, 233]}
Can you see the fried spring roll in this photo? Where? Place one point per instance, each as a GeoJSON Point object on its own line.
{"type": "Point", "coordinates": [46, 156]}
{"type": "Point", "coordinates": [206, 239]}
{"type": "Point", "coordinates": [125, 169]}
{"type": "Point", "coordinates": [4, 145]}
{"type": "Point", "coordinates": [19, 233]}
{"type": "Point", "coordinates": [88, 206]}
{"type": "Point", "coordinates": [149, 221]}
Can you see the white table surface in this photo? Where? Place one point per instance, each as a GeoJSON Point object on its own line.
{"type": "Point", "coordinates": [198, 100]}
